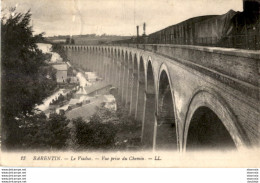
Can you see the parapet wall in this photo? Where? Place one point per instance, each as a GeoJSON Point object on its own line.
{"type": "Point", "coordinates": [237, 68]}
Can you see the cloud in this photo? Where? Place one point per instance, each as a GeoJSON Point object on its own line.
{"type": "Point", "coordinates": [115, 16]}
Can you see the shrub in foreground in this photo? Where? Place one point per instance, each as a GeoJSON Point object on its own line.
{"type": "Point", "coordinates": [39, 132]}
{"type": "Point", "coordinates": [94, 134]}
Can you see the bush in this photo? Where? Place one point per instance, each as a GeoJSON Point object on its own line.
{"type": "Point", "coordinates": [94, 135]}
{"type": "Point", "coordinates": [126, 122]}
{"type": "Point", "coordinates": [57, 126]}
{"type": "Point", "coordinates": [107, 129]}
{"type": "Point", "coordinates": [39, 132]}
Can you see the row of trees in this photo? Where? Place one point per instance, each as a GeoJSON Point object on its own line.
{"type": "Point", "coordinates": [26, 78]}
{"type": "Point", "coordinates": [39, 132]}
{"type": "Point", "coordinates": [106, 129]}
{"type": "Point", "coordinates": [102, 131]}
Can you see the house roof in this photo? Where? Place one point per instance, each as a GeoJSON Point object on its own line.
{"type": "Point", "coordinates": [96, 87]}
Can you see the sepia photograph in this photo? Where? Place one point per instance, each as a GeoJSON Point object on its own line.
{"type": "Point", "coordinates": [128, 83]}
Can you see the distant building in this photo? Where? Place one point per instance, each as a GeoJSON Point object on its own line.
{"type": "Point", "coordinates": [62, 71]}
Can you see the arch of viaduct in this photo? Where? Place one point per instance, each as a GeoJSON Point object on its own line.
{"type": "Point", "coordinates": [178, 105]}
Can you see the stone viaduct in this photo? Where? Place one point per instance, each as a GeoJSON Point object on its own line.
{"type": "Point", "coordinates": [185, 97]}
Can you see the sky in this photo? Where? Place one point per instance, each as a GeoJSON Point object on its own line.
{"type": "Point", "coordinates": [114, 17]}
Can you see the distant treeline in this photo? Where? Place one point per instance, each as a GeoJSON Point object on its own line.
{"type": "Point", "coordinates": [84, 35]}
{"type": "Point", "coordinates": [85, 39]}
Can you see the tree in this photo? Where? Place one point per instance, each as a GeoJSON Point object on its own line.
{"type": "Point", "coordinates": [39, 132]}
{"type": "Point", "coordinates": [23, 84]}
{"type": "Point", "coordinates": [57, 126]}
{"type": "Point", "coordinates": [106, 129]}
{"type": "Point", "coordinates": [58, 49]}
{"type": "Point", "coordinates": [94, 134]}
